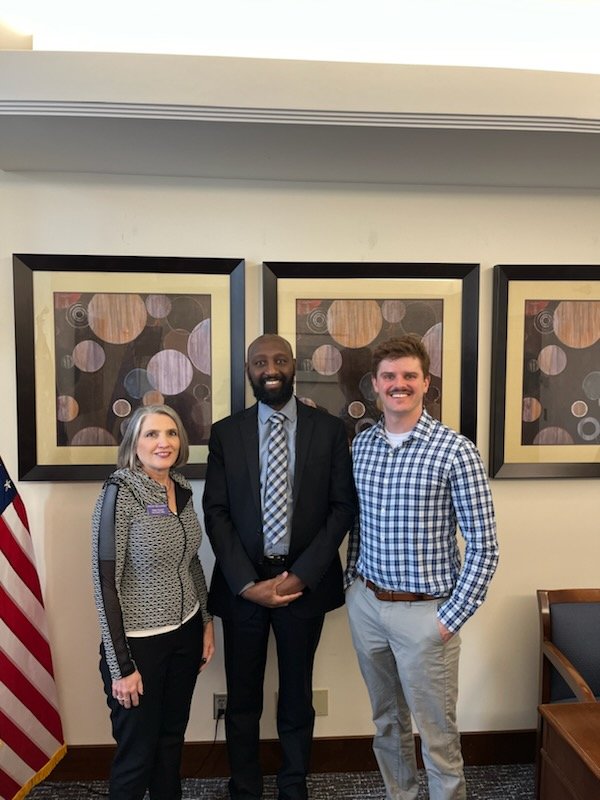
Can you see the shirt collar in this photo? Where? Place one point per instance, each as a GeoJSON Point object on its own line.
{"type": "Point", "coordinates": [289, 411]}
{"type": "Point", "coordinates": [422, 429]}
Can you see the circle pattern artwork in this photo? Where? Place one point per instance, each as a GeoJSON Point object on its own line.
{"type": "Point", "coordinates": [316, 320]}
{"type": "Point", "coordinates": [363, 424]}
{"type": "Point", "coordinates": [158, 305]}
{"type": "Point", "coordinates": [121, 407]}
{"type": "Point", "coordinates": [577, 323]}
{"type": "Point", "coordinates": [354, 323]}
{"type": "Point", "coordinates": [153, 398]}
{"type": "Point", "coordinates": [589, 429]}
{"type": "Point", "coordinates": [335, 340]}
{"type": "Point", "coordinates": [137, 383]}
{"type": "Point", "coordinates": [201, 391]}
{"type": "Point", "coordinates": [170, 372]}
{"type": "Point", "coordinates": [93, 437]}
{"type": "Point", "coordinates": [393, 310]}
{"type": "Point", "coordinates": [198, 348]}
{"type": "Point", "coordinates": [553, 436]}
{"type": "Point", "coordinates": [327, 359]}
{"type": "Point", "coordinates": [544, 322]}
{"type": "Point", "coordinates": [77, 316]}
{"type": "Point", "coordinates": [532, 409]}
{"type": "Point", "coordinates": [365, 386]}
{"type": "Point", "coordinates": [88, 356]}
{"type": "Point", "coordinates": [67, 408]}
{"type": "Point", "coordinates": [356, 409]}
{"type": "Point", "coordinates": [432, 340]}
{"type": "Point", "coordinates": [184, 309]}
{"type": "Point", "coordinates": [552, 360]}
{"type": "Point", "coordinates": [591, 385]}
{"type": "Point", "coordinates": [117, 351]}
{"type": "Point", "coordinates": [117, 318]}
{"type": "Point", "coordinates": [561, 381]}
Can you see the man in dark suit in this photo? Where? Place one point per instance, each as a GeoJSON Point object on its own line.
{"type": "Point", "coordinates": [285, 581]}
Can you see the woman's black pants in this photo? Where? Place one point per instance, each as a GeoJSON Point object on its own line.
{"type": "Point", "coordinates": [150, 736]}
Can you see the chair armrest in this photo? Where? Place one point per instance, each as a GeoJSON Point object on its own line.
{"type": "Point", "coordinates": [567, 671]}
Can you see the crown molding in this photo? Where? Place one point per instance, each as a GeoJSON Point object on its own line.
{"type": "Point", "coordinates": [261, 119]}
{"type": "Point", "coordinates": [292, 116]}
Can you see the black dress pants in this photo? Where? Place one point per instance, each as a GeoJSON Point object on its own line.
{"type": "Point", "coordinates": [150, 736]}
{"type": "Point", "coordinates": [245, 645]}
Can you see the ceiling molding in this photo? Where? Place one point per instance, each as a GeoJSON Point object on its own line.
{"type": "Point", "coordinates": [260, 119]}
{"type": "Point", "coordinates": [293, 116]}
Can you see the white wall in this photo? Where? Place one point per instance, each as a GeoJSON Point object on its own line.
{"type": "Point", "coordinates": [548, 530]}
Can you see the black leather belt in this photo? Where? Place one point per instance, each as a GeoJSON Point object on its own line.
{"type": "Point", "coordinates": [277, 560]}
{"type": "Point", "coordinates": [396, 597]}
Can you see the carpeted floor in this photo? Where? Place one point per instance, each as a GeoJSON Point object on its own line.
{"type": "Point", "coordinates": [503, 782]}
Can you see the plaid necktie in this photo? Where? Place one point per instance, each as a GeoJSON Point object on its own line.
{"type": "Point", "coordinates": [275, 510]}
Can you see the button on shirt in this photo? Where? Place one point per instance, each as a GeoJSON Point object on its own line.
{"type": "Point", "coordinates": [411, 499]}
{"type": "Point", "coordinates": [290, 413]}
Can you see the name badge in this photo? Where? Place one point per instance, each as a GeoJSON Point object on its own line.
{"type": "Point", "coordinates": [158, 510]}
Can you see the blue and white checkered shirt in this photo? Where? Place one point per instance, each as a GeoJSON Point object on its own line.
{"type": "Point", "coordinates": [411, 500]}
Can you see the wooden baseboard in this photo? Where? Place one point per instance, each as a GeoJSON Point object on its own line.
{"type": "Point", "coordinates": [343, 754]}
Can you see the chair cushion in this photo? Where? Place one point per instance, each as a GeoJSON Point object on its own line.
{"type": "Point", "coordinates": [576, 632]}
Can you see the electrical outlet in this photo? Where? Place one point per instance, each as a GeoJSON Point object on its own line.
{"type": "Point", "coordinates": [219, 705]}
{"type": "Point", "coordinates": [321, 702]}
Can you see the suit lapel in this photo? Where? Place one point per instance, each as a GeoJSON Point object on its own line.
{"type": "Point", "coordinates": [249, 431]}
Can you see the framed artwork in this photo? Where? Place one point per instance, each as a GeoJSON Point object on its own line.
{"type": "Point", "coordinates": [98, 336]}
{"type": "Point", "coordinates": [335, 314]}
{"type": "Point", "coordinates": [545, 414]}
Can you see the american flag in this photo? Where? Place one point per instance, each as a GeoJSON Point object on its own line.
{"type": "Point", "coordinates": [31, 737]}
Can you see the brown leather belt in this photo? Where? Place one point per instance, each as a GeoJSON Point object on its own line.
{"type": "Point", "coordinates": [395, 597]}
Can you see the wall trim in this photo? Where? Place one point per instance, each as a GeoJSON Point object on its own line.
{"type": "Point", "coordinates": [332, 754]}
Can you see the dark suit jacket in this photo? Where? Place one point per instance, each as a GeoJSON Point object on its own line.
{"type": "Point", "coordinates": [324, 506]}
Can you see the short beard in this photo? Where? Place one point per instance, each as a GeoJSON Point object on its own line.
{"type": "Point", "coordinates": [272, 397]}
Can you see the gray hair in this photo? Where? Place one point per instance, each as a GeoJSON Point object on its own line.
{"type": "Point", "coordinates": [127, 455]}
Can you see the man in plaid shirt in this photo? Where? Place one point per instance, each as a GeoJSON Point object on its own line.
{"type": "Point", "coordinates": [409, 594]}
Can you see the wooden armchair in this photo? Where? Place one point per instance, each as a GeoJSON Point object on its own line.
{"type": "Point", "coordinates": [569, 650]}
{"type": "Point", "coordinates": [570, 645]}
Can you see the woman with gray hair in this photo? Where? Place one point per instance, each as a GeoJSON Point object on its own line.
{"type": "Point", "coordinates": [151, 597]}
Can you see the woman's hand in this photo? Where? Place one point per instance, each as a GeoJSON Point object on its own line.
{"type": "Point", "coordinates": [208, 645]}
{"type": "Point", "coordinates": [128, 690]}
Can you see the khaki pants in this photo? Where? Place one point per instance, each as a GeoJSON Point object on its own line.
{"type": "Point", "coordinates": [409, 670]}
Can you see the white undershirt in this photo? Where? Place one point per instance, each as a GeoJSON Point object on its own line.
{"type": "Point", "coordinates": [396, 439]}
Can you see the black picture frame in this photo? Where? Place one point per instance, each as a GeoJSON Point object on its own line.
{"type": "Point", "coordinates": [514, 286]}
{"type": "Point", "coordinates": [363, 274]}
{"type": "Point", "coordinates": [145, 273]}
